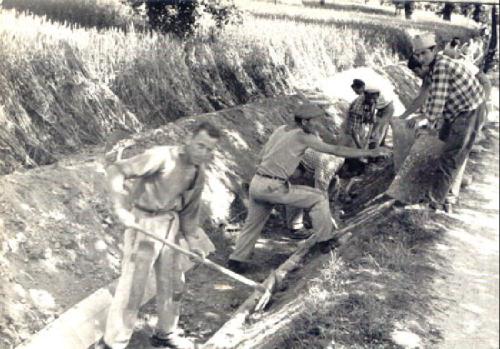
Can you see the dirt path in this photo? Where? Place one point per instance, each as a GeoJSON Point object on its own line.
{"type": "Point", "coordinates": [471, 289]}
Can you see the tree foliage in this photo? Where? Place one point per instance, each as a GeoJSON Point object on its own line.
{"type": "Point", "coordinates": [183, 17]}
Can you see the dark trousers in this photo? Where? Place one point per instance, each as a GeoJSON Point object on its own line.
{"type": "Point", "coordinates": [459, 136]}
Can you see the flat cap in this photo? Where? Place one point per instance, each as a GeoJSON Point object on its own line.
{"type": "Point", "coordinates": [424, 41]}
{"type": "Point", "coordinates": [309, 111]}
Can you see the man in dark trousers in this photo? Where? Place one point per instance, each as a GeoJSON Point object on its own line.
{"type": "Point", "coordinates": [452, 107]}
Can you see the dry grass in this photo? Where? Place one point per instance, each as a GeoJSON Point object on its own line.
{"type": "Point", "coordinates": [87, 82]}
{"type": "Point", "coordinates": [380, 284]}
{"type": "Point", "coordinates": [98, 14]}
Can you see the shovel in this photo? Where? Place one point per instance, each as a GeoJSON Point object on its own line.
{"type": "Point", "coordinates": [204, 261]}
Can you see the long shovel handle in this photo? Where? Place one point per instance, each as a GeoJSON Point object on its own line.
{"type": "Point", "coordinates": [207, 262]}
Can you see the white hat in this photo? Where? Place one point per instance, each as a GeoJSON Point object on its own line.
{"type": "Point", "coordinates": [424, 41]}
{"type": "Point", "coordinates": [370, 87]}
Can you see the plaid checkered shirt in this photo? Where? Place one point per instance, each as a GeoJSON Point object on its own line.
{"type": "Point", "coordinates": [359, 113]}
{"type": "Point", "coordinates": [453, 89]}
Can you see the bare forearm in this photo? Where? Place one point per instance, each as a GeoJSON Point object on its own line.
{"type": "Point", "coordinates": [115, 182]}
{"type": "Point", "coordinates": [342, 151]}
{"type": "Point", "coordinates": [357, 141]}
{"type": "Point", "coordinates": [417, 103]}
{"type": "Point", "coordinates": [485, 82]}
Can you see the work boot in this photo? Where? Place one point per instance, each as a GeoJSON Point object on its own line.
{"type": "Point", "coordinates": [171, 340]}
{"type": "Point", "coordinates": [102, 345]}
{"type": "Point", "coordinates": [327, 246]}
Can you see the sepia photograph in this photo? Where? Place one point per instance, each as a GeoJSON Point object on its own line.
{"type": "Point", "coordinates": [249, 174]}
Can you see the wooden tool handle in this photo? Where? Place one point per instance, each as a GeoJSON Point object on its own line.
{"type": "Point", "coordinates": [207, 262]}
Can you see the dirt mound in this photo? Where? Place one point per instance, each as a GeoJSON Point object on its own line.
{"type": "Point", "coordinates": [62, 242]}
{"type": "Point", "coordinates": [59, 241]}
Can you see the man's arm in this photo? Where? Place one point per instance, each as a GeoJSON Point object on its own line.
{"type": "Point", "coordinates": [418, 102]}
{"type": "Point", "coordinates": [189, 219]}
{"type": "Point", "coordinates": [486, 83]}
{"type": "Point", "coordinates": [355, 137]}
{"type": "Point", "coordinates": [318, 145]}
{"type": "Point", "coordinates": [116, 174]}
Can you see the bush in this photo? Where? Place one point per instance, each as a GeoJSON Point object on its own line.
{"type": "Point", "coordinates": [183, 18]}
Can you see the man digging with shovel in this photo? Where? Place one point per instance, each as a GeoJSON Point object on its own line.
{"type": "Point", "coordinates": [164, 202]}
{"type": "Point", "coordinates": [280, 157]}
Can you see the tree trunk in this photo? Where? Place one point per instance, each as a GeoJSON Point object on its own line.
{"type": "Point", "coordinates": [489, 59]}
{"type": "Point", "coordinates": [476, 15]}
{"type": "Point", "coordinates": [409, 7]}
{"type": "Point", "coordinates": [447, 11]}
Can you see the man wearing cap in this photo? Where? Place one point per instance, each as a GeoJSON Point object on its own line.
{"type": "Point", "coordinates": [422, 72]}
{"type": "Point", "coordinates": [383, 112]}
{"type": "Point", "coordinates": [359, 115]}
{"type": "Point", "coordinates": [279, 159]}
{"type": "Point", "coordinates": [452, 109]}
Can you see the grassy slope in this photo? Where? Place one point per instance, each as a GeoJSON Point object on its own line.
{"type": "Point", "coordinates": [64, 86]}
{"type": "Point", "coordinates": [379, 290]}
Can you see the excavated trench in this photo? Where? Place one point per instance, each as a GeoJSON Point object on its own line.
{"type": "Point", "coordinates": [62, 244]}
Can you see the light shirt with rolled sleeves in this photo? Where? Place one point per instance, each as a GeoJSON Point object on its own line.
{"type": "Point", "coordinates": [283, 152]}
{"type": "Point", "coordinates": [162, 184]}
{"type": "Point", "coordinates": [384, 100]}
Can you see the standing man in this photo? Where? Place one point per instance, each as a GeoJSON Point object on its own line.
{"type": "Point", "coordinates": [452, 109]}
{"type": "Point", "coordinates": [280, 158]}
{"type": "Point", "coordinates": [164, 201]}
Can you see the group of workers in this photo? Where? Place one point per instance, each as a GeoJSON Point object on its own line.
{"type": "Point", "coordinates": [166, 197]}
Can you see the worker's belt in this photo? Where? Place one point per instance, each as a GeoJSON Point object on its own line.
{"type": "Point", "coordinates": [272, 177]}
{"type": "Point", "coordinates": [152, 212]}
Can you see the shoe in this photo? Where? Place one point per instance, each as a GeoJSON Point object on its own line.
{"type": "Point", "coordinates": [400, 206]}
{"type": "Point", "coordinates": [435, 206]}
{"type": "Point", "coordinates": [327, 246]}
{"type": "Point", "coordinates": [300, 234]}
{"type": "Point", "coordinates": [171, 340]}
{"type": "Point", "coordinates": [102, 345]}
{"type": "Point", "coordinates": [451, 199]}
{"type": "Point", "coordinates": [237, 266]}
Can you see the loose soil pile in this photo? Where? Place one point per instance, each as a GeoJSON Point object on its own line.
{"type": "Point", "coordinates": [60, 242]}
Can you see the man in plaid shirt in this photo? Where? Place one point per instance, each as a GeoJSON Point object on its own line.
{"type": "Point", "coordinates": [452, 109]}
